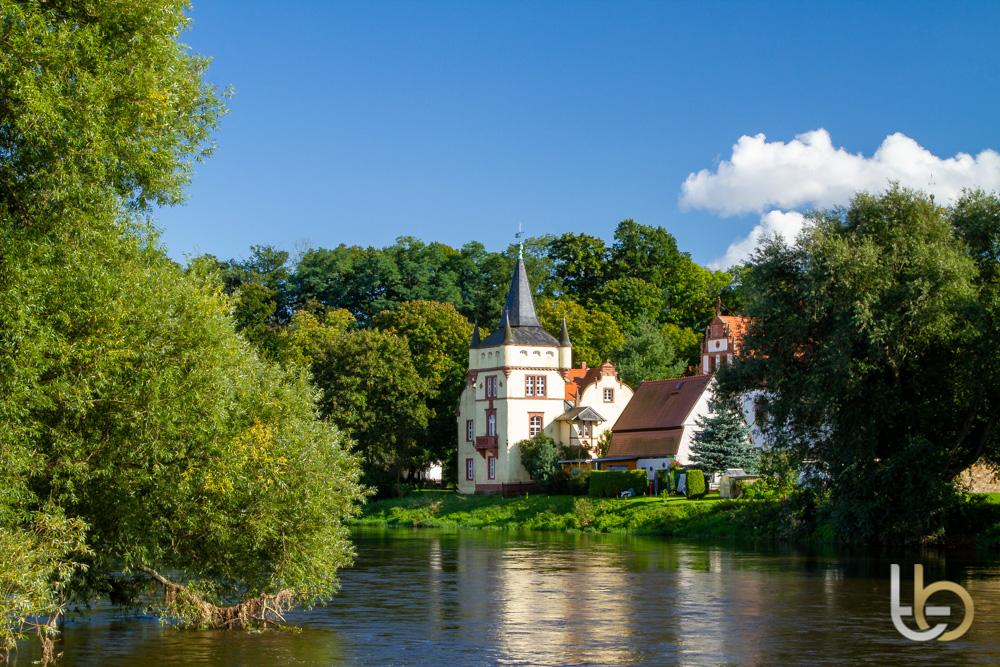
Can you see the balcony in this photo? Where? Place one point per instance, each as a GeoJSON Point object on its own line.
{"type": "Point", "coordinates": [486, 443]}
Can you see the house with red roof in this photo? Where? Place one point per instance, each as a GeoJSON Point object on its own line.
{"type": "Point", "coordinates": [659, 423]}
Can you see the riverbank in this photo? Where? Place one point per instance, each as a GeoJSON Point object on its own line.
{"type": "Point", "coordinates": [976, 520]}
{"type": "Point", "coordinates": [710, 517]}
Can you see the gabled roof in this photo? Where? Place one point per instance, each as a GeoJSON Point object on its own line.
{"type": "Point", "coordinates": [662, 404]}
{"type": "Point", "coordinates": [645, 444]}
{"type": "Point", "coordinates": [732, 326]}
{"type": "Point", "coordinates": [519, 315]}
{"type": "Point", "coordinates": [584, 414]}
{"type": "Point", "coordinates": [578, 379]}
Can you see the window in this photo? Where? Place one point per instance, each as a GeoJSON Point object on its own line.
{"type": "Point", "coordinates": [470, 470]}
{"type": "Point", "coordinates": [609, 395]}
{"type": "Point", "coordinates": [470, 429]}
{"type": "Point", "coordinates": [491, 467]}
{"type": "Point", "coordinates": [491, 386]}
{"type": "Point", "coordinates": [534, 424]}
{"type": "Point", "coordinates": [491, 422]}
{"type": "Point", "coordinates": [534, 385]}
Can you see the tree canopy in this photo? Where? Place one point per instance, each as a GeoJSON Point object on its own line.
{"type": "Point", "coordinates": [141, 433]}
{"type": "Point", "coordinates": [872, 335]}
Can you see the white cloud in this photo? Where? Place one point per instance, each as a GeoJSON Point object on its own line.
{"type": "Point", "coordinates": [786, 224]}
{"type": "Point", "coordinates": [809, 172]}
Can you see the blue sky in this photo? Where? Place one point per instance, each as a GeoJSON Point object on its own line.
{"type": "Point", "coordinates": [455, 121]}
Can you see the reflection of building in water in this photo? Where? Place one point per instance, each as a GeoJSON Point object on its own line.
{"type": "Point", "coordinates": [558, 608]}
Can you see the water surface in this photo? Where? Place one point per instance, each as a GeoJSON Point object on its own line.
{"type": "Point", "coordinates": [469, 598]}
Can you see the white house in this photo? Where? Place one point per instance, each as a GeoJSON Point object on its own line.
{"type": "Point", "coordinates": [659, 423]}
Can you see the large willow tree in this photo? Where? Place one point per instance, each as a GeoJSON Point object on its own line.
{"type": "Point", "coordinates": [874, 336]}
{"type": "Point", "coordinates": [141, 440]}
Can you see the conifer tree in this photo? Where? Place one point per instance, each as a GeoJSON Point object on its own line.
{"type": "Point", "coordinates": [723, 440]}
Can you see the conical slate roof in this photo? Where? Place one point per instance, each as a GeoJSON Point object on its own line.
{"type": "Point", "coordinates": [520, 307]}
{"type": "Point", "coordinates": [519, 323]}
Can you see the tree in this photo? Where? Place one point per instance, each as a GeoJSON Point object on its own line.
{"type": "Point", "coordinates": [372, 390]}
{"type": "Point", "coordinates": [685, 342]}
{"type": "Point", "coordinates": [594, 334]}
{"type": "Point", "coordinates": [438, 338]}
{"type": "Point", "coordinates": [579, 263]}
{"type": "Point", "coordinates": [630, 301]}
{"type": "Point", "coordinates": [722, 440]}
{"type": "Point", "coordinates": [540, 457]}
{"type": "Point", "coordinates": [645, 253]}
{"type": "Point", "coordinates": [870, 335]}
{"type": "Point", "coordinates": [647, 355]}
{"type": "Point", "coordinates": [141, 434]}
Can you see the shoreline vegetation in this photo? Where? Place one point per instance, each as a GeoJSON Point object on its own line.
{"type": "Point", "coordinates": [974, 522]}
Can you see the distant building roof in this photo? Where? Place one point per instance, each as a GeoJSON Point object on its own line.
{"type": "Point", "coordinates": [519, 316]}
{"type": "Point", "coordinates": [578, 379]}
{"type": "Point", "coordinates": [729, 326]}
{"type": "Point", "coordinates": [653, 421]}
{"type": "Point", "coordinates": [584, 414]}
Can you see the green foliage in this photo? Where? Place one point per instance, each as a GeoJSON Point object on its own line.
{"type": "Point", "coordinates": [647, 355]}
{"type": "Point", "coordinates": [595, 335]}
{"type": "Point", "coordinates": [580, 264]}
{"type": "Point", "coordinates": [372, 390]}
{"type": "Point", "coordinates": [140, 431]}
{"type": "Point", "coordinates": [438, 338]}
{"type": "Point", "coordinates": [574, 483]}
{"type": "Point", "coordinates": [686, 343]}
{"type": "Point", "coordinates": [694, 484]}
{"type": "Point", "coordinates": [722, 440]}
{"type": "Point", "coordinates": [630, 302]}
{"type": "Point", "coordinates": [39, 561]}
{"type": "Point", "coordinates": [604, 442]}
{"type": "Point", "coordinates": [872, 336]}
{"type": "Point", "coordinates": [610, 483]}
{"type": "Point", "coordinates": [540, 457]}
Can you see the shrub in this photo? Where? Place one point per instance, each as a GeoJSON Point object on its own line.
{"type": "Point", "coordinates": [583, 508]}
{"type": "Point", "coordinates": [572, 484]}
{"type": "Point", "coordinates": [610, 483]}
{"type": "Point", "coordinates": [663, 477]}
{"type": "Point", "coordinates": [695, 484]}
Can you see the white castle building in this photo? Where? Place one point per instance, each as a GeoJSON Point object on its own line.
{"type": "Point", "coordinates": [521, 381]}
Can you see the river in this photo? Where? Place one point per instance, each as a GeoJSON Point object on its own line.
{"type": "Point", "coordinates": [470, 598]}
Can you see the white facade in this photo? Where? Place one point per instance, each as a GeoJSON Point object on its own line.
{"type": "Point", "coordinates": [520, 382]}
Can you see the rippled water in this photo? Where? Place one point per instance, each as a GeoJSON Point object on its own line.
{"type": "Point", "coordinates": [424, 597]}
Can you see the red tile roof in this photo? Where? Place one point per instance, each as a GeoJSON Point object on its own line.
{"type": "Point", "coordinates": [578, 379]}
{"type": "Point", "coordinates": [662, 404]}
{"type": "Point", "coordinates": [645, 444]}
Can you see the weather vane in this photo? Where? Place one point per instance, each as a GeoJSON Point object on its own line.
{"type": "Point", "coordinates": [520, 242]}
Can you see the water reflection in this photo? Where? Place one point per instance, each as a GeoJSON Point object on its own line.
{"type": "Point", "coordinates": [422, 597]}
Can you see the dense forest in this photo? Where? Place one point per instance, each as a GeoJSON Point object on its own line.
{"type": "Point", "coordinates": [366, 319]}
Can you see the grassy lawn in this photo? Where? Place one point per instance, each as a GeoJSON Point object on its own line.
{"type": "Point", "coordinates": [675, 515]}
{"type": "Point", "coordinates": [976, 520]}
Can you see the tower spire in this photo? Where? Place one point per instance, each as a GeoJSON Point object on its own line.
{"type": "Point", "coordinates": [475, 335]}
{"type": "Point", "coordinates": [564, 335]}
{"type": "Point", "coordinates": [520, 307]}
{"type": "Point", "coordinates": [508, 335]}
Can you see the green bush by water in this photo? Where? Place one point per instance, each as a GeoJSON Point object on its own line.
{"type": "Point", "coordinates": [695, 484]}
{"type": "Point", "coordinates": [611, 483]}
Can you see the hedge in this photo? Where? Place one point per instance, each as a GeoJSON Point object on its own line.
{"type": "Point", "coordinates": [610, 483]}
{"type": "Point", "coordinates": [695, 483]}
